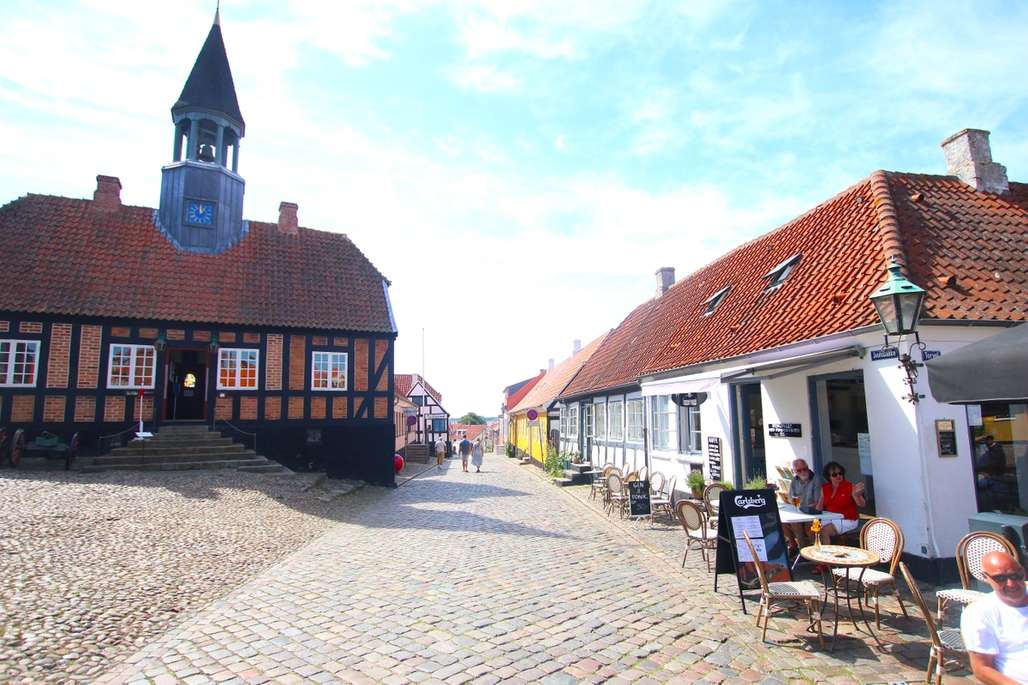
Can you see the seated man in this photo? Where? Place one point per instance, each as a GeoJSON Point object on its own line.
{"type": "Point", "coordinates": [805, 486]}
{"type": "Point", "coordinates": [995, 628]}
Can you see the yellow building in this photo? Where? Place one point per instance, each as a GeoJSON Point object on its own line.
{"type": "Point", "coordinates": [530, 436]}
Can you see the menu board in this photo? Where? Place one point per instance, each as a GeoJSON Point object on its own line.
{"type": "Point", "coordinates": [714, 458]}
{"type": "Point", "coordinates": [639, 498]}
{"type": "Point", "coordinates": [754, 512]}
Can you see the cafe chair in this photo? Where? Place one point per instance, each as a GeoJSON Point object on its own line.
{"type": "Point", "coordinates": [774, 594]}
{"type": "Point", "coordinates": [643, 473]}
{"type": "Point", "coordinates": [617, 494]}
{"type": "Point", "coordinates": [883, 537]}
{"type": "Point", "coordinates": [698, 534]}
{"type": "Point", "coordinates": [661, 500]}
{"type": "Point", "coordinates": [711, 501]}
{"type": "Point", "coordinates": [945, 642]}
{"type": "Point", "coordinates": [971, 549]}
{"type": "Point", "coordinates": [657, 483]}
{"type": "Point", "coordinates": [600, 482]}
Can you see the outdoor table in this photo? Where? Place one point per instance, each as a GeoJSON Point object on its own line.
{"type": "Point", "coordinates": [790, 514]}
{"type": "Point", "coordinates": [843, 556]}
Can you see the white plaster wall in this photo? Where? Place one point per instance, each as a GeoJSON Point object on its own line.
{"type": "Point", "coordinates": [787, 400]}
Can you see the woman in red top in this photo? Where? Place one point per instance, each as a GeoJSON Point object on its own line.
{"type": "Point", "coordinates": [842, 497]}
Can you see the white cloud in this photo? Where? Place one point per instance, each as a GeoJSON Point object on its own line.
{"type": "Point", "coordinates": [485, 78]}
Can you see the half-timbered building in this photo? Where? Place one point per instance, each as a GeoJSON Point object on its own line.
{"type": "Point", "coordinates": [187, 312]}
{"type": "Point", "coordinates": [433, 421]}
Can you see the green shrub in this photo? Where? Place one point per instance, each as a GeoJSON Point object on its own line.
{"type": "Point", "coordinates": [695, 481]}
{"type": "Point", "coordinates": [728, 485]}
{"type": "Point", "coordinates": [554, 463]}
{"type": "Point", "coordinates": [758, 483]}
{"type": "Point", "coordinates": [510, 450]}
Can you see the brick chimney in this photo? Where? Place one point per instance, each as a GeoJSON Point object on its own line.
{"type": "Point", "coordinates": [969, 158]}
{"type": "Point", "coordinates": [665, 279]}
{"type": "Point", "coordinates": [576, 346]}
{"type": "Point", "coordinates": [287, 222]}
{"type": "Point", "coordinates": [108, 193]}
{"type": "Point", "coordinates": [549, 364]}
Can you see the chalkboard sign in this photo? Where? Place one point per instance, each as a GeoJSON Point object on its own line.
{"type": "Point", "coordinates": [714, 459]}
{"type": "Point", "coordinates": [639, 498]}
{"type": "Point", "coordinates": [756, 513]}
{"type": "Point", "coordinates": [946, 435]}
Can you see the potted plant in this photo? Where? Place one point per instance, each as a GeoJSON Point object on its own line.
{"type": "Point", "coordinates": [757, 483]}
{"type": "Point", "coordinates": [695, 481]}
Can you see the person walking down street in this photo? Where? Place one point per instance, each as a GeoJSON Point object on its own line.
{"type": "Point", "coordinates": [464, 447]}
{"type": "Point", "coordinates": [477, 456]}
{"type": "Point", "coordinates": [995, 628]}
{"type": "Point", "coordinates": [440, 453]}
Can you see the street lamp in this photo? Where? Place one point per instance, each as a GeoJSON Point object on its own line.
{"type": "Point", "coordinates": [898, 304]}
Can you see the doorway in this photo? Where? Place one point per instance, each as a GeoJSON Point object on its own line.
{"type": "Point", "coordinates": [840, 419]}
{"type": "Point", "coordinates": [749, 421]}
{"type": "Point", "coordinates": [185, 397]}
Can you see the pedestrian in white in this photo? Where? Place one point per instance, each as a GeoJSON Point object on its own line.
{"type": "Point", "coordinates": [995, 628]}
{"type": "Point", "coordinates": [476, 456]}
{"type": "Point", "coordinates": [440, 453]}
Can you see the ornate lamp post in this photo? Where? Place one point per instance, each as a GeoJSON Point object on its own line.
{"type": "Point", "coordinates": [898, 304]}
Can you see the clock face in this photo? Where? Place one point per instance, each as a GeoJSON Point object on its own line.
{"type": "Point", "coordinates": [199, 213]}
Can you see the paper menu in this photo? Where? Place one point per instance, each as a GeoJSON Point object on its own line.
{"type": "Point", "coordinates": [744, 551]}
{"type": "Point", "coordinates": [747, 524]}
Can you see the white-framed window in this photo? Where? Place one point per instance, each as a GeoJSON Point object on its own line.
{"type": "Point", "coordinates": [328, 370]}
{"type": "Point", "coordinates": [776, 276]}
{"type": "Point", "coordinates": [563, 421]}
{"type": "Point", "coordinates": [573, 421]}
{"type": "Point", "coordinates": [689, 427]}
{"type": "Point", "coordinates": [636, 410]}
{"type": "Point", "coordinates": [237, 368]}
{"type": "Point", "coordinates": [663, 412]}
{"type": "Point", "coordinates": [616, 421]}
{"type": "Point", "coordinates": [588, 420]}
{"type": "Point", "coordinates": [600, 421]}
{"type": "Point", "coordinates": [131, 366]}
{"type": "Point", "coordinates": [19, 360]}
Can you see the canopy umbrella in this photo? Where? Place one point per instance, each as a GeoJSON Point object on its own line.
{"type": "Point", "coordinates": [994, 369]}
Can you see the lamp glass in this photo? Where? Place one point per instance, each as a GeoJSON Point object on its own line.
{"type": "Point", "coordinates": [898, 303]}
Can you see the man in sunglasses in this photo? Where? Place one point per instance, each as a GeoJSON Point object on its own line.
{"type": "Point", "coordinates": [995, 628]}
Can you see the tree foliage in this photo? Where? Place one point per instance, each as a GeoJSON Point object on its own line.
{"type": "Point", "coordinates": [472, 419]}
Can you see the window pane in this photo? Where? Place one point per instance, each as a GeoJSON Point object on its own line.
{"type": "Point", "coordinates": [25, 363]}
{"type": "Point", "coordinates": [227, 369]}
{"type": "Point", "coordinates": [1001, 458]}
{"type": "Point", "coordinates": [248, 369]}
{"type": "Point", "coordinates": [144, 356]}
{"type": "Point", "coordinates": [5, 360]}
{"type": "Point", "coordinates": [121, 366]}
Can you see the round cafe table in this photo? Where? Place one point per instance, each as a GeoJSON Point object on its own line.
{"type": "Point", "coordinates": [842, 556]}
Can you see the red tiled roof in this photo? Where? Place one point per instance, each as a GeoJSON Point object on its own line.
{"type": "Point", "coordinates": [66, 256]}
{"type": "Point", "coordinates": [519, 394]}
{"type": "Point", "coordinates": [556, 379]}
{"type": "Point", "coordinates": [471, 430]}
{"type": "Point", "coordinates": [945, 228]}
{"type": "Point", "coordinates": [405, 381]}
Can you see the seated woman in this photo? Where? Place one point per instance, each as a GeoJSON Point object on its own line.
{"type": "Point", "coordinates": [842, 497]}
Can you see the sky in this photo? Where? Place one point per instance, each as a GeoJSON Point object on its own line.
{"type": "Point", "coordinates": [518, 169]}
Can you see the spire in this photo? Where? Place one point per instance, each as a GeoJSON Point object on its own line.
{"type": "Point", "coordinates": [209, 87]}
{"type": "Point", "coordinates": [217, 14]}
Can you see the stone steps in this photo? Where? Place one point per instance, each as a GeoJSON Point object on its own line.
{"type": "Point", "coordinates": [260, 464]}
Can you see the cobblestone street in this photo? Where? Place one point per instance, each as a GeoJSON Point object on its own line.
{"type": "Point", "coordinates": [490, 577]}
{"type": "Point", "coordinates": [93, 566]}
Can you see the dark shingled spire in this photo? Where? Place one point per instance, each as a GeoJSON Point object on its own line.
{"type": "Point", "coordinates": [209, 86]}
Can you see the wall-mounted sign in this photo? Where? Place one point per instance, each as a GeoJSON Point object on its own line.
{"type": "Point", "coordinates": [930, 354]}
{"type": "Point", "coordinates": [533, 415]}
{"type": "Point", "coordinates": [689, 399]}
{"type": "Point", "coordinates": [885, 353]}
{"type": "Point", "coordinates": [411, 420]}
{"type": "Point", "coordinates": [714, 458]}
{"type": "Point", "coordinates": [864, 452]}
{"type": "Point", "coordinates": [946, 437]}
{"type": "Point", "coordinates": [784, 430]}
{"type": "Point", "coordinates": [974, 414]}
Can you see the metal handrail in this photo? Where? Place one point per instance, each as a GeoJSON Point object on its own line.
{"type": "Point", "coordinates": [120, 434]}
{"type": "Point", "coordinates": [239, 430]}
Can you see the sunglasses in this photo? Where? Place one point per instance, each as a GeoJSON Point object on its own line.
{"type": "Point", "coordinates": [1004, 578]}
{"type": "Point", "coordinates": [832, 474]}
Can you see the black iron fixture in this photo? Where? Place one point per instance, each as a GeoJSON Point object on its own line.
{"type": "Point", "coordinates": [898, 304]}
{"type": "Point", "coordinates": [160, 344]}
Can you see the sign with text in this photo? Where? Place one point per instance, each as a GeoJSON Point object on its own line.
{"type": "Point", "coordinates": [754, 512]}
{"type": "Point", "coordinates": [784, 430]}
{"type": "Point", "coordinates": [714, 458]}
{"type": "Point", "coordinates": [946, 437]}
{"type": "Point", "coordinates": [689, 399]}
{"type": "Point", "coordinates": [639, 498]}
{"type": "Point", "coordinates": [885, 353]}
{"type": "Point", "coordinates": [930, 354]}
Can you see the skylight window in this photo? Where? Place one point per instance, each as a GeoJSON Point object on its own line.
{"type": "Point", "coordinates": [715, 300]}
{"type": "Point", "coordinates": [776, 276]}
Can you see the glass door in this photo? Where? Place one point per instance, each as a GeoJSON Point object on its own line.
{"type": "Point", "coordinates": [842, 434]}
{"type": "Point", "coordinates": [750, 431]}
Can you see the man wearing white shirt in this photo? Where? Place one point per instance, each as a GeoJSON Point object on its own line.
{"type": "Point", "coordinates": [995, 628]}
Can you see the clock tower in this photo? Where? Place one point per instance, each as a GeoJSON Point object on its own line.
{"type": "Point", "coordinates": [201, 207]}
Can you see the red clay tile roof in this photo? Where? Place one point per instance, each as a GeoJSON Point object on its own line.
{"type": "Point", "coordinates": [65, 256]}
{"type": "Point", "coordinates": [946, 229]}
{"type": "Point", "coordinates": [556, 379]}
{"type": "Point", "coordinates": [403, 383]}
{"type": "Point", "coordinates": [526, 387]}
{"type": "Point", "coordinates": [471, 431]}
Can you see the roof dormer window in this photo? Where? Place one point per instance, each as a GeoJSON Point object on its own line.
{"type": "Point", "coordinates": [715, 300]}
{"type": "Point", "coordinates": [776, 276]}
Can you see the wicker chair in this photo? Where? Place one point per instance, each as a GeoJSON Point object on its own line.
{"type": "Point", "coordinates": [711, 500]}
{"type": "Point", "coordinates": [945, 642]}
{"type": "Point", "coordinates": [774, 595]}
{"type": "Point", "coordinates": [599, 482]}
{"type": "Point", "coordinates": [616, 494]}
{"type": "Point", "coordinates": [883, 537]}
{"type": "Point", "coordinates": [644, 473]}
{"type": "Point", "coordinates": [970, 551]}
{"type": "Point", "coordinates": [698, 534]}
{"type": "Point", "coordinates": [661, 501]}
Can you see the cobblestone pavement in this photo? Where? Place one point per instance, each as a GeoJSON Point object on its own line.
{"type": "Point", "coordinates": [490, 577]}
{"type": "Point", "coordinates": [93, 566]}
